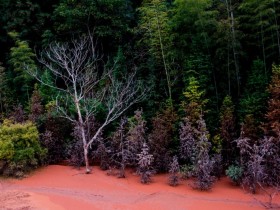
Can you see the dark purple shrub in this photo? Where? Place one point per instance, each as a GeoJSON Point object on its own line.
{"type": "Point", "coordinates": [102, 153]}
{"type": "Point", "coordinates": [135, 136]}
{"type": "Point", "coordinates": [18, 114]}
{"type": "Point", "coordinates": [36, 107]}
{"type": "Point", "coordinates": [217, 161]}
{"type": "Point", "coordinates": [204, 165]}
{"type": "Point", "coordinates": [123, 149]}
{"type": "Point", "coordinates": [270, 151]}
{"type": "Point", "coordinates": [251, 162]}
{"type": "Point", "coordinates": [161, 136]}
{"type": "Point", "coordinates": [187, 142]}
{"type": "Point", "coordinates": [145, 160]}
{"type": "Point", "coordinates": [55, 138]}
{"type": "Point", "coordinates": [174, 168]}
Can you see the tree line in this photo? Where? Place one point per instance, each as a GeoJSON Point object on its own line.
{"type": "Point", "coordinates": [160, 85]}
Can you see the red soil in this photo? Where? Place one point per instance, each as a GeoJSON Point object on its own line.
{"type": "Point", "coordinates": [62, 187]}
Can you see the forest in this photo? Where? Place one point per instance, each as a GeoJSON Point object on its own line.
{"type": "Point", "coordinates": [185, 87]}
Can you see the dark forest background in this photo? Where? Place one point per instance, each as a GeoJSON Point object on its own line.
{"type": "Point", "coordinates": [211, 68]}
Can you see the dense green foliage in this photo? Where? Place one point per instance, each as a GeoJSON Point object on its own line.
{"type": "Point", "coordinates": [20, 147]}
{"type": "Point", "coordinates": [20, 55]}
{"type": "Point", "coordinates": [211, 68]}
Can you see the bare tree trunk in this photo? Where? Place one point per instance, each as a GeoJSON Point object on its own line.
{"type": "Point", "coordinates": [216, 88]}
{"type": "Point", "coordinates": [212, 68]}
{"type": "Point", "coordinates": [228, 72]}
{"type": "Point", "coordinates": [88, 170]}
{"type": "Point", "coordinates": [233, 34]}
{"type": "Point", "coordinates": [277, 31]}
{"type": "Point", "coordinates": [122, 170]}
{"type": "Point", "coordinates": [81, 127]}
{"type": "Point", "coordinates": [83, 134]}
{"type": "Point", "coordinates": [263, 51]}
{"type": "Point", "coordinates": [164, 60]}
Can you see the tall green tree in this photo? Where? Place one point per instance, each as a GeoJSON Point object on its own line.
{"type": "Point", "coordinates": [4, 90]}
{"type": "Point", "coordinates": [156, 36]}
{"type": "Point", "coordinates": [228, 50]}
{"type": "Point", "coordinates": [195, 102]}
{"type": "Point", "coordinates": [260, 22]}
{"type": "Point", "coordinates": [252, 102]}
{"type": "Point", "coordinates": [194, 24]}
{"type": "Point", "coordinates": [21, 55]}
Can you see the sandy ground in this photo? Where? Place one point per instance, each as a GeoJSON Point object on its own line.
{"type": "Point", "coordinates": [61, 187]}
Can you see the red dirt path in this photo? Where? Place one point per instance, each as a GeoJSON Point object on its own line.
{"type": "Point", "coordinates": [61, 187]}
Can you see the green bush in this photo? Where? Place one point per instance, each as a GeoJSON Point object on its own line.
{"type": "Point", "coordinates": [235, 173]}
{"type": "Point", "coordinates": [6, 150]}
{"type": "Point", "coordinates": [20, 147]}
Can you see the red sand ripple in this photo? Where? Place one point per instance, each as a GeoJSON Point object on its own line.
{"type": "Point", "coordinates": [62, 187]}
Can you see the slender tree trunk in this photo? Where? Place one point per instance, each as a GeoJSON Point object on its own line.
{"type": "Point", "coordinates": [164, 59]}
{"type": "Point", "coordinates": [122, 173]}
{"type": "Point", "coordinates": [277, 28]}
{"type": "Point", "coordinates": [88, 170]}
{"type": "Point", "coordinates": [216, 88]}
{"type": "Point", "coordinates": [263, 51]}
{"type": "Point", "coordinates": [212, 68]}
{"type": "Point", "coordinates": [235, 53]}
{"type": "Point", "coordinates": [83, 134]}
{"type": "Point", "coordinates": [228, 72]}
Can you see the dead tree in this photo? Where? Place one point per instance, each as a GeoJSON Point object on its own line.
{"type": "Point", "coordinates": [174, 169]}
{"type": "Point", "coordinates": [145, 169]}
{"type": "Point", "coordinates": [123, 153]}
{"type": "Point", "coordinates": [84, 82]}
